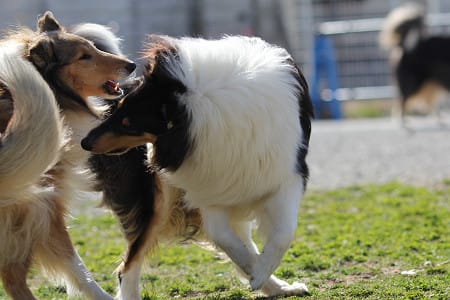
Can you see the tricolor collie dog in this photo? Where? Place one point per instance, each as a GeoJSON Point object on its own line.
{"type": "Point", "coordinates": [71, 70]}
{"type": "Point", "coordinates": [421, 62]}
{"type": "Point", "coordinates": [229, 121]}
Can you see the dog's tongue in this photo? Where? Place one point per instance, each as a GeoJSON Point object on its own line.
{"type": "Point", "coordinates": [112, 87]}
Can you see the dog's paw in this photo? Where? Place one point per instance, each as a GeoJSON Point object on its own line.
{"type": "Point", "coordinates": [259, 276]}
{"type": "Point", "coordinates": [282, 288]}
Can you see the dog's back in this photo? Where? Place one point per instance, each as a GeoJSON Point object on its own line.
{"type": "Point", "coordinates": [428, 62]}
{"type": "Point", "coordinates": [420, 62]}
{"type": "Point", "coordinates": [402, 27]}
{"type": "Point", "coordinates": [246, 89]}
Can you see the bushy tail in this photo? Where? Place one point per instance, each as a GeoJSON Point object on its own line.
{"type": "Point", "coordinates": [34, 137]}
{"type": "Point", "coordinates": [402, 27]}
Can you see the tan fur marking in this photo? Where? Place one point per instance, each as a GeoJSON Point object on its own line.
{"type": "Point", "coordinates": [109, 142]}
{"type": "Point", "coordinates": [57, 250]}
{"type": "Point", "coordinates": [425, 100]}
{"type": "Point", "coordinates": [87, 76]}
{"type": "Point", "coordinates": [172, 220]}
{"type": "Point", "coordinates": [14, 280]}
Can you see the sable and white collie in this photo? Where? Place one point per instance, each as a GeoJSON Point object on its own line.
{"type": "Point", "coordinates": [30, 145]}
{"type": "Point", "coordinates": [70, 68]}
{"type": "Point", "coordinates": [229, 121]}
{"type": "Point", "coordinates": [421, 62]}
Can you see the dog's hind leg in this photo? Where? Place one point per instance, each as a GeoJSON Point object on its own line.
{"type": "Point", "coordinates": [14, 277]}
{"type": "Point", "coordinates": [278, 222]}
{"type": "Point", "coordinates": [129, 271]}
{"type": "Point", "coordinates": [217, 226]}
{"type": "Point", "coordinates": [141, 225]}
{"type": "Point", "coordinates": [58, 256]}
{"type": "Point", "coordinates": [130, 191]}
{"type": "Point", "coordinates": [272, 286]}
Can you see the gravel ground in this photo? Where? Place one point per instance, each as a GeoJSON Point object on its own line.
{"type": "Point", "coordinates": [350, 152]}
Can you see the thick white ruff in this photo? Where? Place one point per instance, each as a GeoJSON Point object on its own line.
{"type": "Point", "coordinates": [243, 101]}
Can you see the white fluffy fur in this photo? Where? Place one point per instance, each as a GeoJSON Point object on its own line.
{"type": "Point", "coordinates": [243, 101]}
{"type": "Point", "coordinates": [245, 120]}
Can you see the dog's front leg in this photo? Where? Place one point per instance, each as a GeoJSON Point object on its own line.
{"type": "Point", "coordinates": [218, 228]}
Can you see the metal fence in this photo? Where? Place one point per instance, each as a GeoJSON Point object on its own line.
{"type": "Point", "coordinates": [351, 25]}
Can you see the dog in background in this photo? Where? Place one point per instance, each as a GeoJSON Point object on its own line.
{"type": "Point", "coordinates": [75, 70]}
{"type": "Point", "coordinates": [229, 121]}
{"type": "Point", "coordinates": [421, 62]}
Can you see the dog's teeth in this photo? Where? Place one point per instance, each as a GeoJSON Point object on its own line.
{"type": "Point", "coordinates": [112, 87]}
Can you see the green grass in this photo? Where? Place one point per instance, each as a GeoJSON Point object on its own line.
{"type": "Point", "coordinates": [352, 243]}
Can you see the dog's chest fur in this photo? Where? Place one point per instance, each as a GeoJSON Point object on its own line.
{"type": "Point", "coordinates": [79, 123]}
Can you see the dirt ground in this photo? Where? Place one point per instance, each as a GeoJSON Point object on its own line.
{"type": "Point", "coordinates": [349, 152]}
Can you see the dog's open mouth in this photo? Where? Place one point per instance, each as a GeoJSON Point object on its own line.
{"type": "Point", "coordinates": [119, 151]}
{"type": "Point", "coordinates": [113, 88]}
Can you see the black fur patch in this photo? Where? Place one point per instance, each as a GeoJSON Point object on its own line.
{"type": "Point", "coordinates": [428, 61]}
{"type": "Point", "coordinates": [155, 108]}
{"type": "Point", "coordinates": [306, 113]}
{"type": "Point", "coordinates": [128, 189]}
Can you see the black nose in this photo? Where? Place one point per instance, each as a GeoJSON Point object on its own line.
{"type": "Point", "coordinates": [86, 144]}
{"type": "Point", "coordinates": [131, 66]}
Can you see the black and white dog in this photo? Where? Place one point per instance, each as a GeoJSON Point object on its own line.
{"type": "Point", "coordinates": [229, 121]}
{"type": "Point", "coordinates": [421, 62]}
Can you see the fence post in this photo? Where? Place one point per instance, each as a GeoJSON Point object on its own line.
{"type": "Point", "coordinates": [324, 67]}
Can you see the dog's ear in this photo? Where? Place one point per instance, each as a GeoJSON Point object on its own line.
{"type": "Point", "coordinates": [158, 47]}
{"type": "Point", "coordinates": [47, 22]}
{"type": "Point", "coordinates": [41, 53]}
{"type": "Point", "coordinates": [162, 55]}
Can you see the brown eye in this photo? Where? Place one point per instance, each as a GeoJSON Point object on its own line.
{"type": "Point", "coordinates": [126, 122]}
{"type": "Point", "coordinates": [85, 57]}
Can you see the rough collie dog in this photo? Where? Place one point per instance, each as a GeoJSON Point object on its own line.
{"type": "Point", "coordinates": [421, 62]}
{"type": "Point", "coordinates": [74, 69]}
{"type": "Point", "coordinates": [229, 121]}
{"type": "Point", "coordinates": [126, 184]}
{"type": "Point", "coordinates": [31, 142]}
